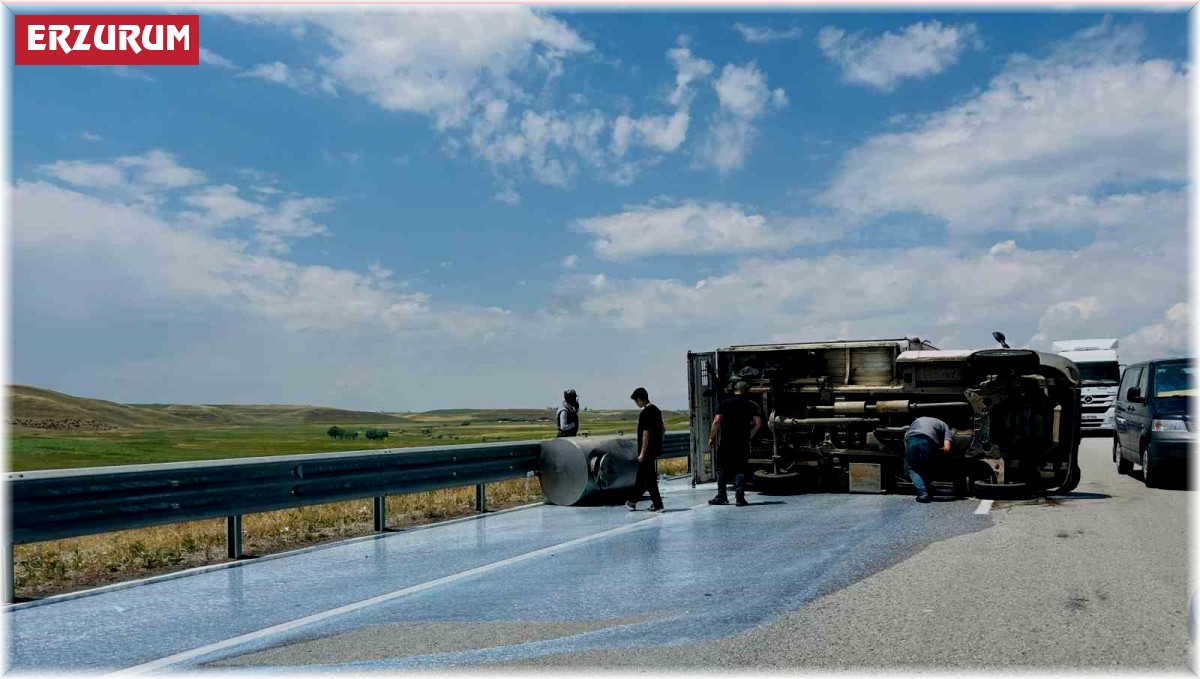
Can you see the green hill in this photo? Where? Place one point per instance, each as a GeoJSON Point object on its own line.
{"type": "Point", "coordinates": [34, 408]}
{"type": "Point", "coordinates": [46, 409]}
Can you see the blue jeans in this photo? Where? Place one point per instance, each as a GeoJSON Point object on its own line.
{"type": "Point", "coordinates": [918, 459]}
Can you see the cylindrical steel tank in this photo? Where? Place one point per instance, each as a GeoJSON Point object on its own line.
{"type": "Point", "coordinates": [576, 471]}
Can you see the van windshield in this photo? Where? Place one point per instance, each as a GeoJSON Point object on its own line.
{"type": "Point", "coordinates": [1098, 373]}
{"type": "Point", "coordinates": [1174, 380]}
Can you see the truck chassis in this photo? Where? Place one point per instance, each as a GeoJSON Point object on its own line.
{"type": "Point", "coordinates": [837, 412]}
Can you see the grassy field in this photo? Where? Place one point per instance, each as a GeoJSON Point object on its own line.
{"type": "Point", "coordinates": [48, 430]}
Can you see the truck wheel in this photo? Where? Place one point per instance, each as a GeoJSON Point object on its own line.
{"type": "Point", "coordinates": [985, 490]}
{"type": "Point", "coordinates": [999, 361]}
{"type": "Point", "coordinates": [1124, 467]}
{"type": "Point", "coordinates": [1150, 478]}
{"type": "Point", "coordinates": [1072, 481]}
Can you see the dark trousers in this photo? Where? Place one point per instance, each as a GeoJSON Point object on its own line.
{"type": "Point", "coordinates": [647, 479]}
{"type": "Point", "coordinates": [732, 464]}
{"type": "Point", "coordinates": [919, 456]}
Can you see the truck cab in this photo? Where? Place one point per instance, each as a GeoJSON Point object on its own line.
{"type": "Point", "coordinates": [837, 413]}
{"type": "Point", "coordinates": [1101, 374]}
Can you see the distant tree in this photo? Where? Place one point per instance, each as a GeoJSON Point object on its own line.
{"type": "Point", "coordinates": [335, 432]}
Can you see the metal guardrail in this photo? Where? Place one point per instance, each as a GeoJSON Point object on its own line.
{"type": "Point", "coordinates": [49, 505]}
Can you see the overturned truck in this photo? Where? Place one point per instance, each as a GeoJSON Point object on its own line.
{"type": "Point", "coordinates": [836, 413]}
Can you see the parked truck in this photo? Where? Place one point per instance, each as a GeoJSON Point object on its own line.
{"type": "Point", "coordinates": [1100, 372]}
{"type": "Point", "coordinates": [837, 413]}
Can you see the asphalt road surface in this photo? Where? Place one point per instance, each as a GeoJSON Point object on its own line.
{"type": "Point", "coordinates": [1094, 580]}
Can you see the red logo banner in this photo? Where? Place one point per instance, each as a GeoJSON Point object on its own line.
{"type": "Point", "coordinates": [107, 39]}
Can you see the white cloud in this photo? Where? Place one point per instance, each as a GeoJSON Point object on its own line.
{"type": "Point", "coordinates": [1070, 311]}
{"type": "Point", "coordinates": [300, 79]}
{"type": "Point", "coordinates": [662, 133]}
{"type": "Point", "coordinates": [482, 76]}
{"type": "Point", "coordinates": [440, 62]}
{"type": "Point", "coordinates": [688, 69]}
{"type": "Point", "coordinates": [292, 218]}
{"type": "Point", "coordinates": [1035, 148]}
{"type": "Point", "coordinates": [126, 261]}
{"type": "Point", "coordinates": [761, 35]}
{"type": "Point", "coordinates": [1168, 337]}
{"type": "Point", "coordinates": [959, 295]}
{"type": "Point", "coordinates": [149, 180]}
{"type": "Point", "coordinates": [218, 319]}
{"type": "Point", "coordinates": [570, 261]}
{"type": "Point", "coordinates": [211, 58]}
{"type": "Point", "coordinates": [90, 136]}
{"type": "Point", "coordinates": [508, 196]}
{"type": "Point", "coordinates": [696, 228]}
{"type": "Point", "coordinates": [124, 72]}
{"type": "Point", "coordinates": [221, 204]}
{"type": "Point", "coordinates": [918, 51]}
{"type": "Point", "coordinates": [744, 97]}
{"type": "Point", "coordinates": [82, 173]}
{"type": "Point", "coordinates": [1004, 248]}
{"type": "Point", "coordinates": [159, 168]}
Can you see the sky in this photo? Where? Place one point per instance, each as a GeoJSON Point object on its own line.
{"type": "Point", "coordinates": [405, 208]}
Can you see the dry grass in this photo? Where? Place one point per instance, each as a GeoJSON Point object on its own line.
{"type": "Point", "coordinates": [48, 568]}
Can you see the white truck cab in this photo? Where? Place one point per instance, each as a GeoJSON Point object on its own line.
{"type": "Point", "coordinates": [1100, 371]}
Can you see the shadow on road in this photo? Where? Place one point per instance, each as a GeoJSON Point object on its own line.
{"type": "Point", "coordinates": [1074, 495]}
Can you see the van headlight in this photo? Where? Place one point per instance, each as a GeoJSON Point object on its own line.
{"type": "Point", "coordinates": [1169, 425]}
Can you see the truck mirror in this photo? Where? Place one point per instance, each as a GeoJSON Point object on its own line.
{"type": "Point", "coordinates": [1134, 395]}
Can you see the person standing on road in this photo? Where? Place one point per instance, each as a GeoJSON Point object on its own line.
{"type": "Point", "coordinates": [732, 423]}
{"type": "Point", "coordinates": [924, 438]}
{"type": "Point", "coordinates": [649, 439]}
{"type": "Point", "coordinates": [568, 414]}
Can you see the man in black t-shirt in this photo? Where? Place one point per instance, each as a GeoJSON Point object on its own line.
{"type": "Point", "coordinates": [733, 424]}
{"type": "Point", "coordinates": [649, 439]}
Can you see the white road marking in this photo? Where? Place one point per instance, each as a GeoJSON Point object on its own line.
{"type": "Point", "coordinates": [382, 598]}
{"type": "Point", "coordinates": [984, 507]}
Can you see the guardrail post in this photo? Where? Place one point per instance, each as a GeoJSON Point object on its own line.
{"type": "Point", "coordinates": [233, 536]}
{"type": "Point", "coordinates": [10, 577]}
{"type": "Point", "coordinates": [481, 498]}
{"type": "Point", "coordinates": [380, 514]}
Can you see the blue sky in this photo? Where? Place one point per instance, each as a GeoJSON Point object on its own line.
{"type": "Point", "coordinates": [401, 209]}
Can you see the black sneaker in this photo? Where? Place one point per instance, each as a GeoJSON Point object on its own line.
{"type": "Point", "coordinates": [631, 506]}
{"type": "Point", "coordinates": [719, 500]}
{"type": "Point", "coordinates": [741, 502]}
{"type": "Point", "coordinates": [922, 498]}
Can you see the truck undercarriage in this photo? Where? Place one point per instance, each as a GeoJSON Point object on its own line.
{"type": "Point", "coordinates": [836, 414]}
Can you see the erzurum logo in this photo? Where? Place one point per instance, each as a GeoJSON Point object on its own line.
{"type": "Point", "coordinates": [107, 40]}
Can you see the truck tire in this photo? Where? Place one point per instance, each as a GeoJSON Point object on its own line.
{"type": "Point", "coordinates": [985, 490]}
{"type": "Point", "coordinates": [997, 361]}
{"type": "Point", "coordinates": [1072, 481]}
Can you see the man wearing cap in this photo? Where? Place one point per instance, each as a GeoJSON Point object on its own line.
{"type": "Point", "coordinates": [733, 424]}
{"type": "Point", "coordinates": [568, 414]}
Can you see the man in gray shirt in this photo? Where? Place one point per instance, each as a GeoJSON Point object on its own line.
{"type": "Point", "coordinates": [925, 437]}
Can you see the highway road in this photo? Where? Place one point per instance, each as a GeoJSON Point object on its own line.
{"type": "Point", "coordinates": [1097, 579]}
